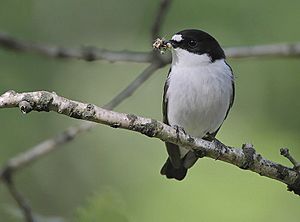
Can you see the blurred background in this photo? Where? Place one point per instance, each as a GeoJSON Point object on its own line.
{"type": "Point", "coordinates": [113, 175]}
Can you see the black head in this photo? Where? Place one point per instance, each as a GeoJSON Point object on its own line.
{"type": "Point", "coordinates": [198, 42]}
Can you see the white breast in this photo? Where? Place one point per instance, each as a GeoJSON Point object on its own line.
{"type": "Point", "coordinates": [199, 93]}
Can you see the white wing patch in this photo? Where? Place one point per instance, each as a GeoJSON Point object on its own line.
{"type": "Point", "coordinates": [177, 38]}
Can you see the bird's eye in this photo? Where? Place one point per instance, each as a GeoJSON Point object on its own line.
{"type": "Point", "coordinates": [192, 43]}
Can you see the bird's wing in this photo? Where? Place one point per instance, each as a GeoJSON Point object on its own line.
{"type": "Point", "coordinates": [233, 92]}
{"type": "Point", "coordinates": [211, 136]}
{"type": "Point", "coordinates": [172, 149]}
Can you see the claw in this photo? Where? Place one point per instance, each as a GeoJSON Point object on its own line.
{"type": "Point", "coordinates": [179, 129]}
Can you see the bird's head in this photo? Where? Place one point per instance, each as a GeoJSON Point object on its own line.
{"type": "Point", "coordinates": [191, 45]}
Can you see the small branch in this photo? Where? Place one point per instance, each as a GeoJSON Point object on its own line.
{"type": "Point", "coordinates": [245, 158]}
{"type": "Point", "coordinates": [133, 86]}
{"type": "Point", "coordinates": [19, 198]}
{"type": "Point", "coordinates": [296, 186]}
{"type": "Point", "coordinates": [159, 19]}
{"type": "Point", "coordinates": [270, 50]}
{"type": "Point", "coordinates": [85, 53]}
{"type": "Point", "coordinates": [93, 53]}
{"type": "Point", "coordinates": [286, 153]}
{"type": "Point", "coordinates": [52, 144]}
{"type": "Point", "coordinates": [42, 149]}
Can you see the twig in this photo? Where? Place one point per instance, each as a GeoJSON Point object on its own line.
{"type": "Point", "coordinates": [19, 198]}
{"type": "Point", "coordinates": [132, 86]}
{"type": "Point", "coordinates": [159, 19]}
{"type": "Point", "coordinates": [245, 158]}
{"type": "Point", "coordinates": [52, 144]}
{"type": "Point", "coordinates": [270, 50]}
{"type": "Point", "coordinates": [84, 53]}
{"type": "Point", "coordinates": [286, 153]}
{"type": "Point", "coordinates": [93, 53]}
{"type": "Point", "coordinates": [43, 148]}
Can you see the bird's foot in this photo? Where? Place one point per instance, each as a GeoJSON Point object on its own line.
{"type": "Point", "coordinates": [199, 153]}
{"type": "Point", "coordinates": [219, 147]}
{"type": "Point", "coordinates": [179, 129]}
{"type": "Point", "coordinates": [209, 137]}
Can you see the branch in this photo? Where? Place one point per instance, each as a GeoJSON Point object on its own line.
{"type": "Point", "coordinates": [159, 19]}
{"type": "Point", "coordinates": [94, 53]}
{"type": "Point", "coordinates": [133, 86]}
{"type": "Point", "coordinates": [21, 201]}
{"type": "Point", "coordinates": [286, 153]}
{"type": "Point", "coordinates": [245, 158]}
{"type": "Point", "coordinates": [52, 144]}
{"type": "Point", "coordinates": [85, 53]}
{"type": "Point", "coordinates": [42, 149]}
{"type": "Point", "coordinates": [269, 50]}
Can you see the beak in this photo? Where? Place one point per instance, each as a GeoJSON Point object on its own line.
{"type": "Point", "coordinates": [173, 43]}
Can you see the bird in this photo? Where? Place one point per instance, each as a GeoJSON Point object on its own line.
{"type": "Point", "coordinates": [198, 94]}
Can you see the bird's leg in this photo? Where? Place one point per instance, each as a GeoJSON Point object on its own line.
{"type": "Point", "coordinates": [209, 137]}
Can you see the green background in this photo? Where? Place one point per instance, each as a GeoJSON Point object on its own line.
{"type": "Point", "coordinates": [113, 175]}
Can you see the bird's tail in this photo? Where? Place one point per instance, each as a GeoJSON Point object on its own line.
{"type": "Point", "coordinates": [180, 171]}
{"type": "Point", "coordinates": [171, 172]}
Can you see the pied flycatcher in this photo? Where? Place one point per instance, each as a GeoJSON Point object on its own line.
{"type": "Point", "coordinates": [198, 94]}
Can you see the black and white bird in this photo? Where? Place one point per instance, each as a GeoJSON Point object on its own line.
{"type": "Point", "coordinates": [198, 94]}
